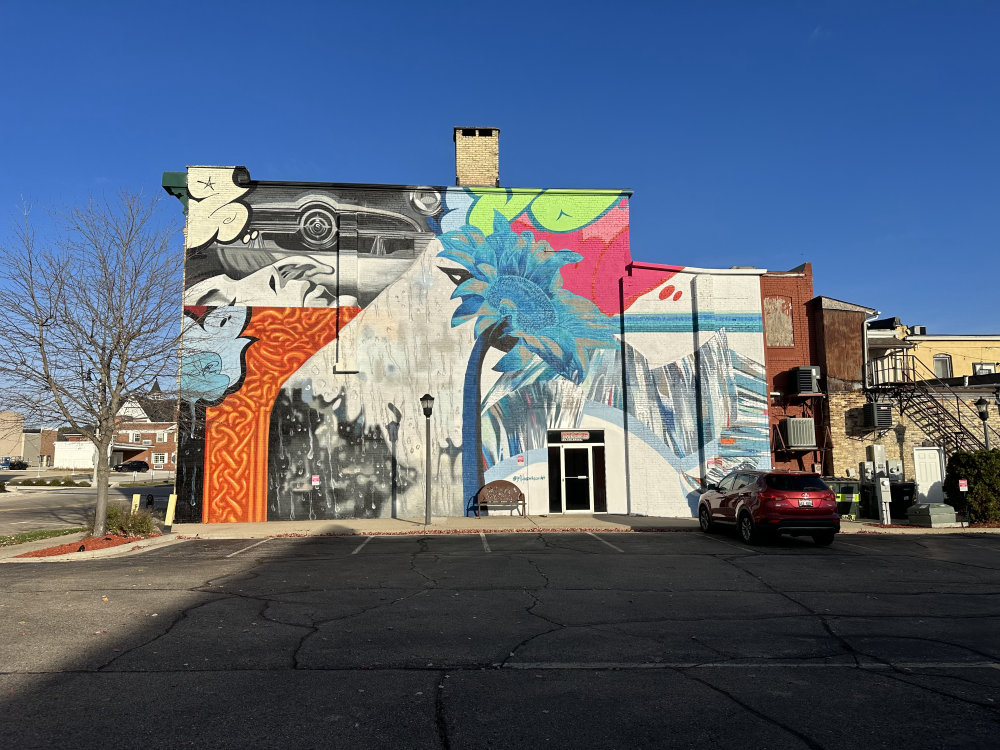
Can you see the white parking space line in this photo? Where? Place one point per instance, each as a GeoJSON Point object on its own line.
{"type": "Point", "coordinates": [841, 543]}
{"type": "Point", "coordinates": [257, 544]}
{"type": "Point", "coordinates": [486, 545]}
{"type": "Point", "coordinates": [357, 549]}
{"type": "Point", "coordinates": [741, 547]}
{"type": "Point", "coordinates": [619, 549]}
{"type": "Point", "coordinates": [981, 546]}
{"type": "Point", "coordinates": [874, 666]}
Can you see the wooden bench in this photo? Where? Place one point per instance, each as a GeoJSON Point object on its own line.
{"type": "Point", "coordinates": [500, 494]}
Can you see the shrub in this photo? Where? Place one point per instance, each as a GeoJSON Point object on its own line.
{"type": "Point", "coordinates": [68, 482]}
{"type": "Point", "coordinates": [123, 523]}
{"type": "Point", "coordinates": [54, 482]}
{"type": "Point", "coordinates": [982, 470]}
{"type": "Point", "coordinates": [3, 486]}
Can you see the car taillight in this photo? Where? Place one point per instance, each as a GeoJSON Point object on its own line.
{"type": "Point", "coordinates": [772, 500]}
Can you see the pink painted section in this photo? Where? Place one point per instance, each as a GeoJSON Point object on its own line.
{"type": "Point", "coordinates": [604, 245]}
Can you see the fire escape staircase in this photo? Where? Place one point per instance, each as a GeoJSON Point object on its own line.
{"type": "Point", "coordinates": [922, 396]}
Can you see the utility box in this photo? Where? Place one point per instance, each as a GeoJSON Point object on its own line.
{"type": "Point", "coordinates": [895, 470]}
{"type": "Point", "coordinates": [876, 455]}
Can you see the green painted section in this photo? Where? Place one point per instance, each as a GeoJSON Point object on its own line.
{"type": "Point", "coordinates": [175, 183]}
{"type": "Point", "coordinates": [553, 210]}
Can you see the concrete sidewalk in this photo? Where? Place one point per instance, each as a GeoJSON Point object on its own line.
{"type": "Point", "coordinates": [603, 524]}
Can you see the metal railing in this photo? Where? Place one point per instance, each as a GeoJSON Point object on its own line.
{"type": "Point", "coordinates": [921, 391]}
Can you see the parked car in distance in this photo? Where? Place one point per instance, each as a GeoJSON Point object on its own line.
{"type": "Point", "coordinates": [768, 503]}
{"type": "Point", "coordinates": [131, 466]}
{"type": "Point", "coordinates": [18, 464]}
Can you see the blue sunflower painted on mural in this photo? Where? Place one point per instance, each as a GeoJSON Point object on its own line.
{"type": "Point", "coordinates": [511, 286]}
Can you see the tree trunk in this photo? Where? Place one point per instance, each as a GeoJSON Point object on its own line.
{"type": "Point", "coordinates": [101, 475]}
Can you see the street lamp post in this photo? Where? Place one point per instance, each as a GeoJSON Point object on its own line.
{"type": "Point", "coordinates": [427, 402]}
{"type": "Point", "coordinates": [983, 407]}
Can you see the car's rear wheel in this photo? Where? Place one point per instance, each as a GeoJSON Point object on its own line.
{"type": "Point", "coordinates": [824, 539]}
{"type": "Point", "coordinates": [705, 520]}
{"type": "Point", "coordinates": [748, 529]}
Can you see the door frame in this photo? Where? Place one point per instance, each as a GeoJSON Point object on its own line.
{"type": "Point", "coordinates": [593, 442]}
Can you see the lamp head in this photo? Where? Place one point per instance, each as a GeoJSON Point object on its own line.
{"type": "Point", "coordinates": [983, 407]}
{"type": "Point", "coordinates": [427, 401]}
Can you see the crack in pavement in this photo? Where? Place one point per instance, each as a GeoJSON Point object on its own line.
{"type": "Point", "coordinates": [809, 741]}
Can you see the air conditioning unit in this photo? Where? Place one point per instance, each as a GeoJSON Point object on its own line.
{"type": "Point", "coordinates": [800, 433]}
{"type": "Point", "coordinates": [876, 416]}
{"type": "Point", "coordinates": [805, 379]}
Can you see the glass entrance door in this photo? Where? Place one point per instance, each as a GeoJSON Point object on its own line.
{"type": "Point", "coordinates": [577, 473]}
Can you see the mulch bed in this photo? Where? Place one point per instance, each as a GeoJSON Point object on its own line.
{"type": "Point", "coordinates": [86, 545]}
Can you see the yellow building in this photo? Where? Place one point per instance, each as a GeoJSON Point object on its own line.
{"type": "Point", "coordinates": [954, 356]}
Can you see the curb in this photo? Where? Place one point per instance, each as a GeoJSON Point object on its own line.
{"type": "Point", "coordinates": [121, 550]}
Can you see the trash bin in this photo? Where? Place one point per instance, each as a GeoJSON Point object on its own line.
{"type": "Point", "coordinates": [848, 498]}
{"type": "Point", "coordinates": [902, 495]}
{"type": "Point", "coordinates": [868, 504]}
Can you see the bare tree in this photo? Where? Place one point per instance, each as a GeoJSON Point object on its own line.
{"type": "Point", "coordinates": [89, 318]}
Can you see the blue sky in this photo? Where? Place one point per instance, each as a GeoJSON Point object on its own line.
{"type": "Point", "coordinates": [861, 136]}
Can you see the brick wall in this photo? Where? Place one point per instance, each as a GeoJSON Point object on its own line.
{"type": "Point", "coordinates": [849, 438]}
{"type": "Point", "coordinates": [477, 156]}
{"type": "Point", "coordinates": [789, 343]}
{"type": "Point", "coordinates": [46, 450]}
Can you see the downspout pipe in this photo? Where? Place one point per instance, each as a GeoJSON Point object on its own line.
{"type": "Point", "coordinates": [864, 348]}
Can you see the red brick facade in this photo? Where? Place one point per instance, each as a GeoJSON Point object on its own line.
{"type": "Point", "coordinates": [152, 442]}
{"type": "Point", "coordinates": [789, 343]}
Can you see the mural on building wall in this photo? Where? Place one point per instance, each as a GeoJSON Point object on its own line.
{"type": "Point", "coordinates": [316, 315]}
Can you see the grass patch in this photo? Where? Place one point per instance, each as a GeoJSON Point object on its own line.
{"type": "Point", "coordinates": [34, 536]}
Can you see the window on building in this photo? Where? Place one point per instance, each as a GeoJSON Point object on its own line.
{"type": "Point", "coordinates": [984, 368]}
{"type": "Point", "coordinates": [136, 437]}
{"type": "Point", "coordinates": [161, 437]}
{"type": "Point", "coordinates": [159, 459]}
{"type": "Point", "coordinates": [942, 365]}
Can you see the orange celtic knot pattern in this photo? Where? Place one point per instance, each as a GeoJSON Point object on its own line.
{"type": "Point", "coordinates": [236, 431]}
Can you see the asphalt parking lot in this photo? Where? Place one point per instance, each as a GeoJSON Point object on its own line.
{"type": "Point", "coordinates": [507, 640]}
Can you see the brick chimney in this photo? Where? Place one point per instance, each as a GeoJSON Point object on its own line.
{"type": "Point", "coordinates": [477, 157]}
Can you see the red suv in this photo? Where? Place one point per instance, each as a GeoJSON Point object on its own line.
{"type": "Point", "coordinates": [762, 503]}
